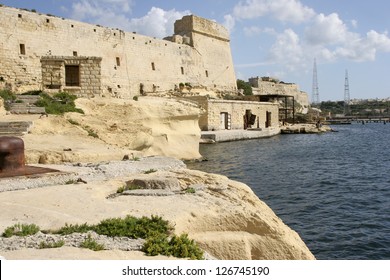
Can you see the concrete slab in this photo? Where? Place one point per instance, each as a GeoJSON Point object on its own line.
{"type": "Point", "coordinates": [236, 135]}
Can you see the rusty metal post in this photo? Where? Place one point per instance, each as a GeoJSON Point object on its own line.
{"type": "Point", "coordinates": [11, 154]}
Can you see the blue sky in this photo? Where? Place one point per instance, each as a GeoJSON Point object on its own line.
{"type": "Point", "coordinates": [278, 38]}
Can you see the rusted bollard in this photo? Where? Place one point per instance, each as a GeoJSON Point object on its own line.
{"type": "Point", "coordinates": [11, 154]}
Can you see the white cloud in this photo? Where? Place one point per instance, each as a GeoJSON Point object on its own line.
{"type": "Point", "coordinates": [287, 50]}
{"type": "Point", "coordinates": [117, 13]}
{"type": "Point", "coordinates": [229, 22]}
{"type": "Point", "coordinates": [328, 30]}
{"type": "Point", "coordinates": [255, 30]}
{"type": "Point", "coordinates": [157, 23]}
{"type": "Point", "coordinates": [282, 10]}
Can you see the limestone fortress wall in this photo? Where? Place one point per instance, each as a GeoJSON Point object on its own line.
{"type": "Point", "coordinates": [44, 52]}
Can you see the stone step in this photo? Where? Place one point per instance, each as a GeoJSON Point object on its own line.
{"type": "Point", "coordinates": [14, 128]}
{"type": "Point", "coordinates": [30, 99]}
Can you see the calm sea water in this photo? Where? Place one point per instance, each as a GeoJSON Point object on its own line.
{"type": "Point", "coordinates": [332, 188]}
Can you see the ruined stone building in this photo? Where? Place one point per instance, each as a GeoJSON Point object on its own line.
{"type": "Point", "coordinates": [272, 86]}
{"type": "Point", "coordinates": [44, 52]}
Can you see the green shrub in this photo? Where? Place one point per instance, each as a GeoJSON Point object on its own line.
{"type": "Point", "coordinates": [133, 227]}
{"type": "Point", "coordinates": [69, 229]}
{"type": "Point", "coordinates": [135, 98]}
{"type": "Point", "coordinates": [91, 244]}
{"type": "Point", "coordinates": [59, 104]}
{"type": "Point", "coordinates": [50, 245]}
{"type": "Point", "coordinates": [21, 230]}
{"type": "Point", "coordinates": [245, 86]}
{"type": "Point", "coordinates": [177, 246]}
{"type": "Point", "coordinates": [8, 96]}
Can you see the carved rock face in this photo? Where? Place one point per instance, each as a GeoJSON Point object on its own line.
{"type": "Point", "coordinates": [11, 154]}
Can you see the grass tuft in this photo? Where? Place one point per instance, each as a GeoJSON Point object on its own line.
{"type": "Point", "coordinates": [21, 230]}
{"type": "Point", "coordinates": [91, 244]}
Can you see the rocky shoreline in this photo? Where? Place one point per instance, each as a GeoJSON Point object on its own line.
{"type": "Point", "coordinates": [224, 217]}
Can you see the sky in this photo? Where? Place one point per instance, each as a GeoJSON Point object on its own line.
{"type": "Point", "coordinates": [276, 38]}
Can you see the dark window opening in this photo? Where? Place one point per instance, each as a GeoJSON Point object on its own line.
{"type": "Point", "coordinates": [207, 73]}
{"type": "Point", "coordinates": [114, 34]}
{"type": "Point", "coordinates": [118, 61]}
{"type": "Point", "coordinates": [22, 48]}
{"type": "Point", "coordinates": [72, 75]}
{"type": "Point", "coordinates": [72, 26]}
{"type": "Point", "coordinates": [19, 15]}
{"type": "Point", "coordinates": [74, 53]}
{"type": "Point", "coordinates": [47, 20]}
{"type": "Point", "coordinates": [94, 30]}
{"type": "Point", "coordinates": [182, 70]}
{"type": "Point", "coordinates": [153, 67]}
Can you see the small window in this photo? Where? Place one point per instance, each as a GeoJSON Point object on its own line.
{"type": "Point", "coordinates": [72, 75]}
{"type": "Point", "coordinates": [72, 25]}
{"type": "Point", "coordinates": [207, 73]}
{"type": "Point", "coordinates": [118, 61]}
{"type": "Point", "coordinates": [22, 48]}
{"type": "Point", "coordinates": [19, 15]}
{"type": "Point", "coordinates": [74, 53]}
{"type": "Point", "coordinates": [114, 34]}
{"type": "Point", "coordinates": [153, 67]}
{"type": "Point", "coordinates": [94, 30]}
{"type": "Point", "coordinates": [182, 70]}
{"type": "Point", "coordinates": [47, 20]}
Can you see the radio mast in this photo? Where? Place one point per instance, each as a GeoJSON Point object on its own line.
{"type": "Point", "coordinates": [315, 95]}
{"type": "Point", "coordinates": [346, 95]}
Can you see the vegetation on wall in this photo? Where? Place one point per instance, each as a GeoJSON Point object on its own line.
{"type": "Point", "coordinates": [245, 86]}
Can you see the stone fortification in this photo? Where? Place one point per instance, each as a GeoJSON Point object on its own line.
{"type": "Point", "coordinates": [267, 85]}
{"type": "Point", "coordinates": [43, 52]}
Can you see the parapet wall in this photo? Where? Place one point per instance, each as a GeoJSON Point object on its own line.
{"type": "Point", "coordinates": [131, 64]}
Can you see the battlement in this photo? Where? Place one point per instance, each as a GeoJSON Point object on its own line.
{"type": "Point", "coordinates": [191, 23]}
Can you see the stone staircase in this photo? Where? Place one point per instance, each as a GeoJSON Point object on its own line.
{"type": "Point", "coordinates": [14, 128]}
{"type": "Point", "coordinates": [25, 105]}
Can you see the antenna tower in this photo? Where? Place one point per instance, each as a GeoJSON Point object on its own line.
{"type": "Point", "coordinates": [346, 95]}
{"type": "Point", "coordinates": [315, 94]}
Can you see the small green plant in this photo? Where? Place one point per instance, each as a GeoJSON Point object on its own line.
{"type": "Point", "coordinates": [177, 246]}
{"type": "Point", "coordinates": [190, 190]}
{"type": "Point", "coordinates": [70, 182]}
{"type": "Point", "coordinates": [7, 95]}
{"type": "Point", "coordinates": [69, 229]}
{"type": "Point", "coordinates": [134, 158]}
{"type": "Point", "coordinates": [150, 171]}
{"type": "Point", "coordinates": [129, 187]}
{"type": "Point", "coordinates": [135, 98]}
{"type": "Point", "coordinates": [21, 230]}
{"type": "Point", "coordinates": [50, 245]}
{"type": "Point", "coordinates": [92, 133]}
{"type": "Point", "coordinates": [90, 243]}
{"type": "Point", "coordinates": [73, 122]}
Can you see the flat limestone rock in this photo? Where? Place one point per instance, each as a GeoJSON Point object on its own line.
{"type": "Point", "coordinates": [156, 183]}
{"type": "Point", "coordinates": [157, 192]}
